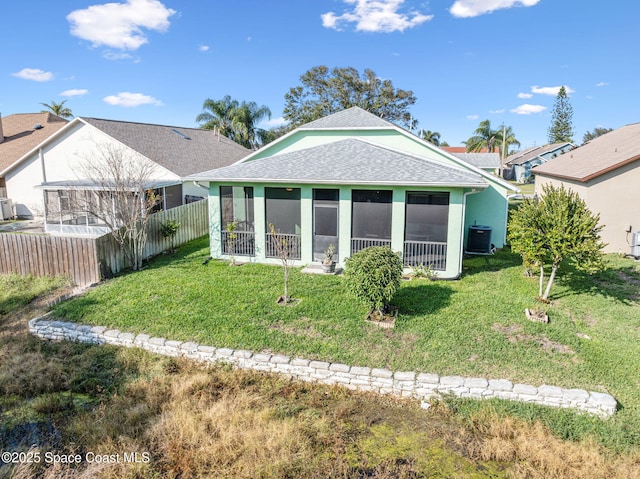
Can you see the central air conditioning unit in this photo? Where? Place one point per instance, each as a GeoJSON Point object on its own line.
{"type": "Point", "coordinates": [479, 240]}
{"type": "Point", "coordinates": [6, 212]}
{"type": "Point", "coordinates": [635, 245]}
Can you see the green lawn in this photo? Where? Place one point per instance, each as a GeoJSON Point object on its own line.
{"type": "Point", "coordinates": [473, 327]}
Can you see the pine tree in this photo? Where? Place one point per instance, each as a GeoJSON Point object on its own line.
{"type": "Point", "coordinates": [561, 129]}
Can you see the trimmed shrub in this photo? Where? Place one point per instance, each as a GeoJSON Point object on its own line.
{"type": "Point", "coordinates": [373, 275]}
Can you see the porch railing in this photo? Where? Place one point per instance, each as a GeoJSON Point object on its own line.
{"type": "Point", "coordinates": [290, 241]}
{"type": "Point", "coordinates": [358, 244]}
{"type": "Point", "coordinates": [428, 253]}
{"type": "Point", "coordinates": [242, 245]}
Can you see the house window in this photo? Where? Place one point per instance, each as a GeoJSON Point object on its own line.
{"type": "Point", "coordinates": [426, 228]}
{"type": "Point", "coordinates": [78, 208]}
{"type": "Point", "coordinates": [236, 204]}
{"type": "Point", "coordinates": [283, 211]}
{"type": "Point", "coordinates": [52, 207]}
{"type": "Point", "coordinates": [427, 216]}
{"type": "Point", "coordinates": [370, 219]}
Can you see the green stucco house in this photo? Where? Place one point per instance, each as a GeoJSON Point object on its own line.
{"type": "Point", "coordinates": [354, 180]}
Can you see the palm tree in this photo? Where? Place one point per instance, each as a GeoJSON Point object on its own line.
{"type": "Point", "coordinates": [219, 114]}
{"type": "Point", "coordinates": [483, 137]}
{"type": "Point", "coordinates": [58, 109]}
{"type": "Point", "coordinates": [432, 137]}
{"type": "Point", "coordinates": [237, 121]}
{"type": "Point", "coordinates": [249, 115]}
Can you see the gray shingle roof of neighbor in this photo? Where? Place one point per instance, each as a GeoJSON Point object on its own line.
{"type": "Point", "coordinates": [348, 161]}
{"type": "Point", "coordinates": [184, 151]}
{"type": "Point", "coordinates": [354, 117]}
{"type": "Point", "coordinates": [480, 160]}
{"type": "Point", "coordinates": [531, 153]}
{"type": "Point", "coordinates": [601, 155]}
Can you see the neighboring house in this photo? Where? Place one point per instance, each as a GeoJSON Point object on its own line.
{"type": "Point", "coordinates": [605, 173]}
{"type": "Point", "coordinates": [19, 134]}
{"type": "Point", "coordinates": [44, 181]}
{"type": "Point", "coordinates": [520, 163]}
{"type": "Point", "coordinates": [354, 180]}
{"type": "Point", "coordinates": [489, 162]}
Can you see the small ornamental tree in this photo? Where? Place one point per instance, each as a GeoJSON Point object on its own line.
{"type": "Point", "coordinates": [232, 236]}
{"type": "Point", "coordinates": [373, 275]}
{"type": "Point", "coordinates": [168, 230]}
{"type": "Point", "coordinates": [556, 227]}
{"type": "Point", "coordinates": [282, 249]}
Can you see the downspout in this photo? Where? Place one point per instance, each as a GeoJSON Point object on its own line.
{"type": "Point", "coordinates": [464, 210]}
{"type": "Point", "coordinates": [44, 170]}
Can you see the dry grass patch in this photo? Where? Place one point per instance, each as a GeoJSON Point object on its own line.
{"type": "Point", "coordinates": [535, 453]}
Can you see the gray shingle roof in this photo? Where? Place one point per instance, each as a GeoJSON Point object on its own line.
{"type": "Point", "coordinates": [529, 154]}
{"type": "Point", "coordinates": [201, 149]}
{"type": "Point", "coordinates": [354, 117]}
{"type": "Point", "coordinates": [480, 160]}
{"type": "Point", "coordinates": [348, 161]}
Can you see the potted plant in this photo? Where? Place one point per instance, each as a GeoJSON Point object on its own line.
{"type": "Point", "coordinates": [329, 263]}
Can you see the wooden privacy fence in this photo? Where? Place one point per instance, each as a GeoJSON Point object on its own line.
{"type": "Point", "coordinates": [88, 260]}
{"type": "Point", "coordinates": [43, 255]}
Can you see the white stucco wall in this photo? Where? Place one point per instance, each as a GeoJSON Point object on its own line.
{"type": "Point", "coordinates": [64, 159]}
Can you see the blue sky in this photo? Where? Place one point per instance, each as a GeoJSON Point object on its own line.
{"type": "Point", "coordinates": [156, 61]}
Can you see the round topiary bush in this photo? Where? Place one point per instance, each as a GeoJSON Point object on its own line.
{"type": "Point", "coordinates": [373, 275]}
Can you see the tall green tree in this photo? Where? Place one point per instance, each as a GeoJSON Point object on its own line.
{"type": "Point", "coordinates": [553, 228]}
{"type": "Point", "coordinates": [432, 137]}
{"type": "Point", "coordinates": [237, 121]}
{"type": "Point", "coordinates": [592, 135]}
{"type": "Point", "coordinates": [58, 109]}
{"type": "Point", "coordinates": [325, 91]}
{"type": "Point", "coordinates": [561, 129]}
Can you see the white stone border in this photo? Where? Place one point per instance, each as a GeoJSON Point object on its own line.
{"type": "Point", "coordinates": [383, 381]}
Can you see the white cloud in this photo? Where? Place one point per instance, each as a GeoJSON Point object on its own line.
{"type": "Point", "coordinates": [375, 16]}
{"type": "Point", "coordinates": [120, 25]}
{"type": "Point", "coordinates": [128, 99]}
{"type": "Point", "coordinates": [109, 55]}
{"type": "Point", "coordinates": [601, 83]}
{"type": "Point", "coordinates": [473, 8]}
{"type": "Point", "coordinates": [525, 95]}
{"type": "Point", "coordinates": [203, 48]}
{"type": "Point", "coordinates": [275, 122]}
{"type": "Point", "coordinates": [528, 109]}
{"type": "Point", "coordinates": [34, 74]}
{"type": "Point", "coordinates": [501, 110]}
{"type": "Point", "coordinates": [74, 92]}
{"type": "Point", "coordinates": [472, 117]}
{"type": "Point", "coordinates": [550, 90]}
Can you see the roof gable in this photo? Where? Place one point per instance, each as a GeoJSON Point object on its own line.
{"type": "Point", "coordinates": [20, 136]}
{"type": "Point", "coordinates": [601, 155]}
{"type": "Point", "coordinates": [183, 151]}
{"type": "Point", "coordinates": [348, 161]}
{"type": "Point", "coordinates": [354, 117]}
